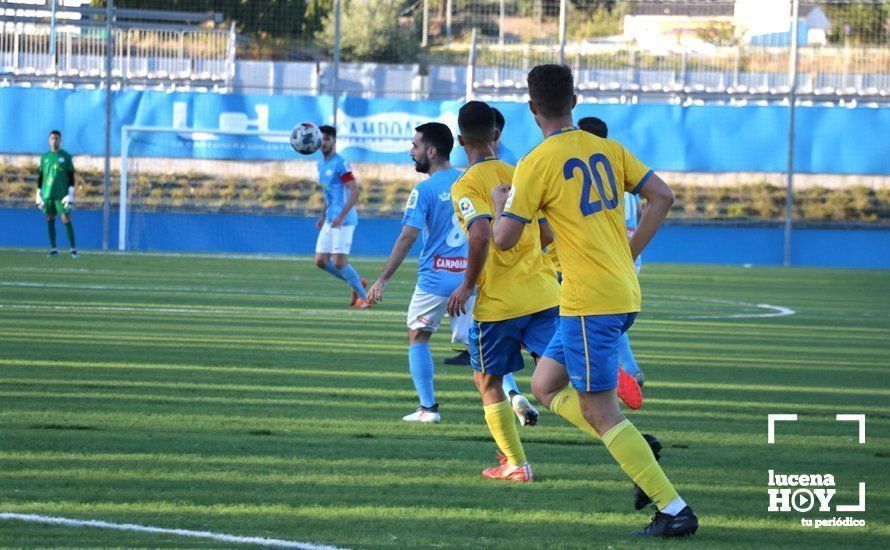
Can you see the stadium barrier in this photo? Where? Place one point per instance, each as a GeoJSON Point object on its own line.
{"type": "Point", "coordinates": [667, 137]}
{"type": "Point", "coordinates": [177, 232]}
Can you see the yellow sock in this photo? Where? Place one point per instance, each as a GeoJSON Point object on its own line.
{"type": "Point", "coordinates": [567, 405]}
{"type": "Point", "coordinates": [635, 457]}
{"type": "Point", "coordinates": [502, 425]}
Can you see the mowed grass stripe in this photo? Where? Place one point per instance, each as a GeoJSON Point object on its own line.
{"type": "Point", "coordinates": [231, 410]}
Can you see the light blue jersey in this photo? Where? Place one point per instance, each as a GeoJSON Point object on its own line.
{"type": "Point", "coordinates": [631, 213]}
{"type": "Point", "coordinates": [333, 174]}
{"type": "Point", "coordinates": [443, 259]}
{"type": "Point", "coordinates": [506, 155]}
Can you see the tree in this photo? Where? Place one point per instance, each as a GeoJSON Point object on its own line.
{"type": "Point", "coordinates": [720, 33]}
{"type": "Point", "coordinates": [371, 30]}
{"type": "Point", "coordinates": [864, 24]}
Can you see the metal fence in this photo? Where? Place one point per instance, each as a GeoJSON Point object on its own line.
{"type": "Point", "coordinates": [55, 44]}
{"type": "Point", "coordinates": [786, 52]}
{"type": "Point", "coordinates": [681, 50]}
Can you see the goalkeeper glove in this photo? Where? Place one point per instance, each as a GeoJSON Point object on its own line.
{"type": "Point", "coordinates": [68, 199]}
{"type": "Point", "coordinates": [39, 200]}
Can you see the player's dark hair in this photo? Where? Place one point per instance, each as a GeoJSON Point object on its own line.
{"type": "Point", "coordinates": [594, 125]}
{"type": "Point", "coordinates": [328, 131]}
{"type": "Point", "coordinates": [552, 87]}
{"type": "Point", "coordinates": [476, 121]}
{"type": "Point", "coordinates": [499, 121]}
{"type": "Point", "coordinates": [56, 132]}
{"type": "Point", "coordinates": [438, 135]}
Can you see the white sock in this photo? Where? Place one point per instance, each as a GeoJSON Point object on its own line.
{"type": "Point", "coordinates": [674, 507]}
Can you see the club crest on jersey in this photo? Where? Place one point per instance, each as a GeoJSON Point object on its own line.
{"type": "Point", "coordinates": [466, 208]}
{"type": "Point", "coordinates": [412, 199]}
{"type": "Point", "coordinates": [454, 265]}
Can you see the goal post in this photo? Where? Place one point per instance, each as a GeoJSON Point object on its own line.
{"type": "Point", "coordinates": [194, 134]}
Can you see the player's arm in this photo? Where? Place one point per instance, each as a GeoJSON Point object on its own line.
{"type": "Point", "coordinates": [38, 198]}
{"type": "Point", "coordinates": [478, 237]}
{"type": "Point", "coordinates": [507, 229]}
{"type": "Point", "coordinates": [319, 223]}
{"type": "Point", "coordinates": [349, 181]}
{"type": "Point", "coordinates": [69, 198]}
{"type": "Point", "coordinates": [397, 255]}
{"type": "Point", "coordinates": [659, 199]}
{"type": "Point", "coordinates": [547, 236]}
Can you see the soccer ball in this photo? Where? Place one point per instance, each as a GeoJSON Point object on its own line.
{"type": "Point", "coordinates": [305, 138]}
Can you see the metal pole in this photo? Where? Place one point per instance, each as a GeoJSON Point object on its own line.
{"type": "Point", "coordinates": [448, 10]}
{"type": "Point", "coordinates": [109, 52]}
{"type": "Point", "coordinates": [336, 76]}
{"type": "Point", "coordinates": [122, 207]}
{"type": "Point", "coordinates": [562, 31]}
{"type": "Point", "coordinates": [792, 98]}
{"type": "Point", "coordinates": [425, 38]}
{"type": "Point", "coordinates": [471, 66]}
{"type": "Point", "coordinates": [52, 34]}
{"type": "Point", "coordinates": [503, 15]}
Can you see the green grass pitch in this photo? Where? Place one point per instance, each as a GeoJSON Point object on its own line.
{"type": "Point", "coordinates": [240, 396]}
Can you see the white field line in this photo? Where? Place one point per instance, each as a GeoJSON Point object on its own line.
{"type": "Point", "coordinates": [772, 311]}
{"type": "Point", "coordinates": [199, 255]}
{"type": "Point", "coordinates": [260, 541]}
{"type": "Point", "coordinates": [135, 288]}
{"type": "Point", "coordinates": [209, 311]}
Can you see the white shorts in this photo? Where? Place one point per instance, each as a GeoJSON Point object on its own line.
{"type": "Point", "coordinates": [334, 240]}
{"type": "Point", "coordinates": [427, 310]}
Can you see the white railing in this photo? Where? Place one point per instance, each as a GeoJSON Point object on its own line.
{"type": "Point", "coordinates": [140, 53]}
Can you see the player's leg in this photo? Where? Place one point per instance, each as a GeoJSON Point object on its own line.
{"type": "Point", "coordinates": [421, 367]}
{"type": "Point", "coordinates": [625, 354]}
{"type": "Point", "coordinates": [460, 328]}
{"type": "Point", "coordinates": [502, 424]}
{"type": "Point", "coordinates": [425, 313]}
{"type": "Point", "coordinates": [50, 212]}
{"type": "Point", "coordinates": [324, 247]}
{"type": "Point", "coordinates": [494, 352]}
{"type": "Point", "coordinates": [550, 385]}
{"type": "Point", "coordinates": [627, 360]}
{"type": "Point", "coordinates": [593, 370]}
{"type": "Point", "coordinates": [522, 407]}
{"type": "Point", "coordinates": [341, 247]}
{"type": "Point", "coordinates": [69, 230]}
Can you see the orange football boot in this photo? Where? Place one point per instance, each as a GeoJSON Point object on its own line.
{"type": "Point", "coordinates": [519, 474]}
{"type": "Point", "coordinates": [629, 390]}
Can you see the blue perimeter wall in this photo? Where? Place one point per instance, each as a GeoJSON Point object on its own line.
{"type": "Point", "coordinates": [714, 138]}
{"type": "Point", "coordinates": [237, 233]}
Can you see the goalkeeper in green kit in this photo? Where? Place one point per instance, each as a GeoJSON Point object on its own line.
{"type": "Point", "coordinates": [55, 190]}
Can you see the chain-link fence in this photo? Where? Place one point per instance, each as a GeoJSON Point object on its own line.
{"type": "Point", "coordinates": [695, 50]}
{"type": "Point", "coordinates": [831, 53]}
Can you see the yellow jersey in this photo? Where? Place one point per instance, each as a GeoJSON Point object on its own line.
{"type": "Point", "coordinates": [552, 256]}
{"type": "Point", "coordinates": [578, 181]}
{"type": "Point", "coordinates": [514, 282]}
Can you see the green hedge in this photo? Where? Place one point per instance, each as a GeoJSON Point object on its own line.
{"type": "Point", "coordinates": [280, 194]}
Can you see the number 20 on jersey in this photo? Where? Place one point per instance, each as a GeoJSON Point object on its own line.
{"type": "Point", "coordinates": [590, 175]}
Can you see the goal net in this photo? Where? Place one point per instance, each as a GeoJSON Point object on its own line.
{"type": "Point", "coordinates": [209, 190]}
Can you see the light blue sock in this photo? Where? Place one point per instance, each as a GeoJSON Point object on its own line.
{"type": "Point", "coordinates": [626, 356]}
{"type": "Point", "coordinates": [351, 276]}
{"type": "Point", "coordinates": [420, 363]}
{"type": "Point", "coordinates": [510, 384]}
{"type": "Point", "coordinates": [332, 269]}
